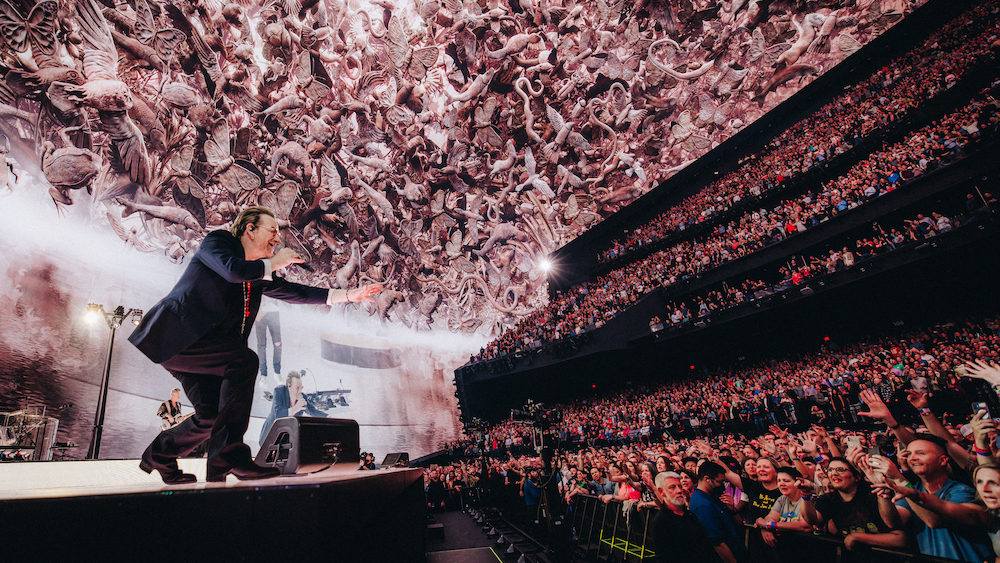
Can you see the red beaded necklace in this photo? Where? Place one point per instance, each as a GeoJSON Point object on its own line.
{"type": "Point", "coordinates": [246, 306]}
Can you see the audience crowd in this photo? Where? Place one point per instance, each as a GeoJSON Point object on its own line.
{"type": "Point", "coordinates": [751, 398]}
{"type": "Point", "coordinates": [589, 305]}
{"type": "Point", "coordinates": [883, 443]}
{"type": "Point", "coordinates": [802, 270]}
{"type": "Point", "coordinates": [934, 65]}
{"type": "Point", "coordinates": [886, 443]}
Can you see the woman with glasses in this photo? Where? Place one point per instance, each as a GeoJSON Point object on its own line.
{"type": "Point", "coordinates": [851, 511]}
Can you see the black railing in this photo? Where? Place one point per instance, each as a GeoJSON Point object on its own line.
{"type": "Point", "coordinates": [606, 532]}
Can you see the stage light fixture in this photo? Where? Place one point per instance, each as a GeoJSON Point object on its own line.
{"type": "Point", "coordinates": [545, 265]}
{"type": "Point", "coordinates": [94, 312]}
{"type": "Point", "coordinates": [114, 320]}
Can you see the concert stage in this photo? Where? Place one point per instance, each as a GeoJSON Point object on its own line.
{"type": "Point", "coordinates": [109, 509]}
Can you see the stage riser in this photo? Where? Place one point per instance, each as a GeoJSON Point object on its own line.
{"type": "Point", "coordinates": [377, 517]}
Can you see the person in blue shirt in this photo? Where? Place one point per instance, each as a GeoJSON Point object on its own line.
{"type": "Point", "coordinates": [532, 493]}
{"type": "Point", "coordinates": [714, 516]}
{"type": "Point", "coordinates": [939, 533]}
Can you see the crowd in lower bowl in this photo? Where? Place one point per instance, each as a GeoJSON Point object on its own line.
{"type": "Point", "coordinates": [787, 451]}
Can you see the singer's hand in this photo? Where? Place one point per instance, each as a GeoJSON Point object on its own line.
{"type": "Point", "coordinates": [364, 293]}
{"type": "Point", "coordinates": [285, 257]}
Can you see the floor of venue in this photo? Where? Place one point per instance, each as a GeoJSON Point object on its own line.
{"type": "Point", "coordinates": [462, 541]}
{"type": "Point", "coordinates": [466, 537]}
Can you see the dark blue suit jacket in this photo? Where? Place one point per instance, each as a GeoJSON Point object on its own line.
{"type": "Point", "coordinates": [209, 287]}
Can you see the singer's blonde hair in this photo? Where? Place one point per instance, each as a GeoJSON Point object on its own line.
{"type": "Point", "coordinates": [249, 216]}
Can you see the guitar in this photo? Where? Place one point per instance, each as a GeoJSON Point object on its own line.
{"type": "Point", "coordinates": [165, 424]}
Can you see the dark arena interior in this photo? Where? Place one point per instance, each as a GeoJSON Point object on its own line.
{"type": "Point", "coordinates": [664, 280]}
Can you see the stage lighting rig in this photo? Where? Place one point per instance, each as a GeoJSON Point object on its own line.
{"type": "Point", "coordinates": [96, 311]}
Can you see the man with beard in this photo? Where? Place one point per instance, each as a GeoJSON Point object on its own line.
{"type": "Point", "coordinates": [678, 536]}
{"type": "Point", "coordinates": [713, 515]}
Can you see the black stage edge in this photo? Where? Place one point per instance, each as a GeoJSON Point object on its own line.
{"type": "Point", "coordinates": [335, 515]}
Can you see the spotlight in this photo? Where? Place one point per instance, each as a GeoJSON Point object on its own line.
{"type": "Point", "coordinates": [136, 316]}
{"type": "Point", "coordinates": [117, 317]}
{"type": "Point", "coordinates": [545, 265]}
{"type": "Point", "coordinates": [93, 313]}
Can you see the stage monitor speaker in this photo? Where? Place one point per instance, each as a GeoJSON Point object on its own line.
{"type": "Point", "coordinates": [401, 459]}
{"type": "Point", "coordinates": [299, 445]}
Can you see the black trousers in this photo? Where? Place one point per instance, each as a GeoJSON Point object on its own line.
{"type": "Point", "coordinates": [218, 378]}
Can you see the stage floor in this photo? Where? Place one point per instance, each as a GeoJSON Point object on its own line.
{"type": "Point", "coordinates": [110, 509]}
{"type": "Point", "coordinates": [59, 479]}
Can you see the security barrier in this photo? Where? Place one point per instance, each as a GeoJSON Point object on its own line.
{"type": "Point", "coordinates": [608, 532]}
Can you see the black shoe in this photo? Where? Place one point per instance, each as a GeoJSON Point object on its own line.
{"type": "Point", "coordinates": [236, 459]}
{"type": "Point", "coordinates": [170, 476]}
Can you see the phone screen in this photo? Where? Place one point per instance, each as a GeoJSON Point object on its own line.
{"type": "Point", "coordinates": [981, 406]}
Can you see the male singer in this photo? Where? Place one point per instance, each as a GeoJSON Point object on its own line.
{"type": "Point", "coordinates": [199, 331]}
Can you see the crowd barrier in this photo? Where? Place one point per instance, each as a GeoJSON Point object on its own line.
{"type": "Point", "coordinates": [607, 532]}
